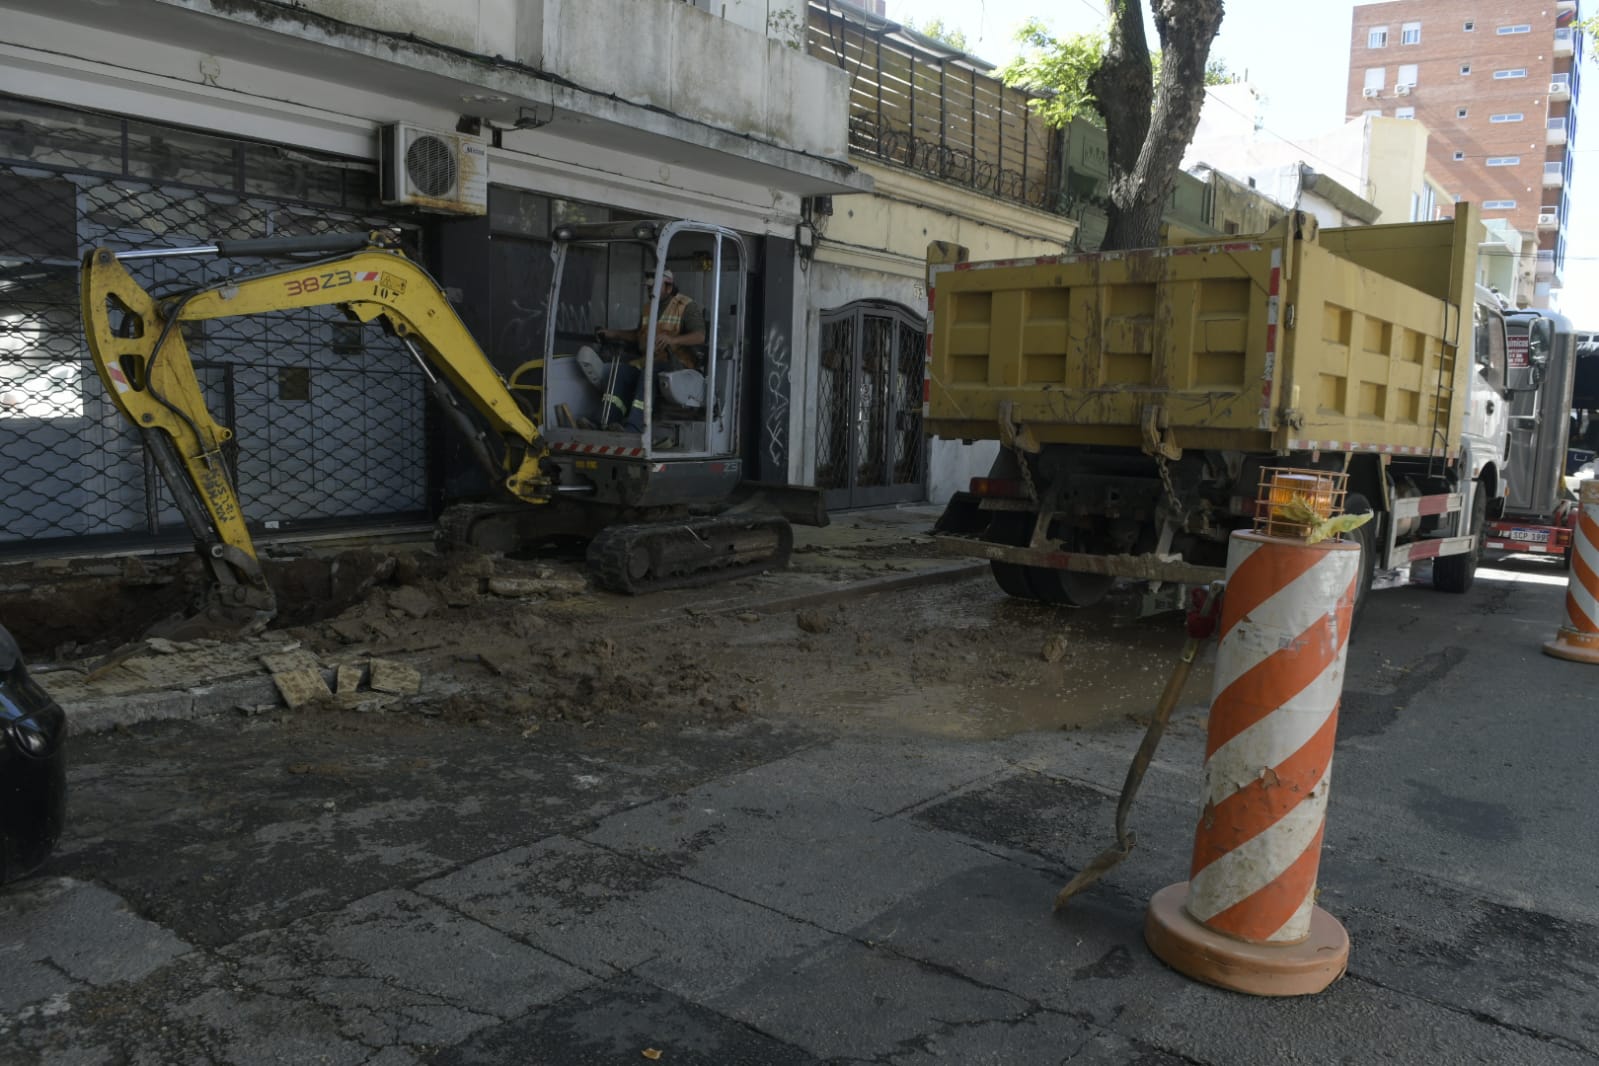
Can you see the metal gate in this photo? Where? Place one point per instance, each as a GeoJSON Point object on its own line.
{"type": "Point", "coordinates": [328, 415]}
{"type": "Point", "coordinates": [870, 449]}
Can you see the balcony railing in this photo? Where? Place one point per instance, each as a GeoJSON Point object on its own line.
{"type": "Point", "coordinates": [1546, 263]}
{"type": "Point", "coordinates": [1554, 173]}
{"type": "Point", "coordinates": [936, 112]}
{"type": "Point", "coordinates": [1563, 41]}
{"type": "Point", "coordinates": [1555, 131]}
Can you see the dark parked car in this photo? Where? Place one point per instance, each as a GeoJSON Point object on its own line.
{"type": "Point", "coordinates": [33, 766]}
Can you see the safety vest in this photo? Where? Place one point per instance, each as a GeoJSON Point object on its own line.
{"type": "Point", "coordinates": [669, 324]}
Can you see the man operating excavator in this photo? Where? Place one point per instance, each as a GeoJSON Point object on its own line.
{"type": "Point", "coordinates": [680, 326]}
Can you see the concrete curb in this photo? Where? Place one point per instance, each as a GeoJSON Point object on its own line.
{"type": "Point", "coordinates": [101, 715]}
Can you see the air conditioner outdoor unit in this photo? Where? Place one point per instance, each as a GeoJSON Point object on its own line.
{"type": "Point", "coordinates": [1546, 220]}
{"type": "Point", "coordinates": [1401, 90]}
{"type": "Point", "coordinates": [1369, 92]}
{"type": "Point", "coordinates": [1557, 87]}
{"type": "Point", "coordinates": [434, 171]}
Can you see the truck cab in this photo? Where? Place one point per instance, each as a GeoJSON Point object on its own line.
{"type": "Point", "coordinates": [1487, 412]}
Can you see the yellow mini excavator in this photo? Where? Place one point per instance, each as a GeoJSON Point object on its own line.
{"type": "Point", "coordinates": [663, 507]}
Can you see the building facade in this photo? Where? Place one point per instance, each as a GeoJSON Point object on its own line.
{"type": "Point", "coordinates": [1498, 86]}
{"type": "Point", "coordinates": [163, 123]}
{"type": "Point", "coordinates": [955, 156]}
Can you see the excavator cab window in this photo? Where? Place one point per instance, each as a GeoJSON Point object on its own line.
{"type": "Point", "coordinates": [617, 376]}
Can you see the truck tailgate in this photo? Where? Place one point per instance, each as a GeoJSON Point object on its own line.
{"type": "Point", "coordinates": [1077, 347]}
{"type": "Point", "coordinates": [1339, 340]}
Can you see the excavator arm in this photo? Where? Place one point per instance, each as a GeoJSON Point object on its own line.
{"type": "Point", "coordinates": [139, 350]}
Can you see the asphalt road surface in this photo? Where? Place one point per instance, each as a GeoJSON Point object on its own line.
{"type": "Point", "coordinates": [790, 888]}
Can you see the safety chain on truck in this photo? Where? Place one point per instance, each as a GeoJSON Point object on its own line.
{"type": "Point", "coordinates": [1027, 474]}
{"type": "Point", "coordinates": [1171, 490]}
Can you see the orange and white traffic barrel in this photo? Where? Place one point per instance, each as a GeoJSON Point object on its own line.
{"type": "Point", "coordinates": [1578, 639]}
{"type": "Point", "coordinates": [1247, 917]}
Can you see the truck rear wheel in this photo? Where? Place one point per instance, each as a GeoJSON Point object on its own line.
{"type": "Point", "coordinates": [1067, 587]}
{"type": "Point", "coordinates": [1015, 529]}
{"type": "Point", "coordinates": [1457, 573]}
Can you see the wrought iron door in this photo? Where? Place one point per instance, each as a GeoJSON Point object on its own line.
{"type": "Point", "coordinates": [870, 449]}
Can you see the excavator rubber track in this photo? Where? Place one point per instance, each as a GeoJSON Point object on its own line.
{"type": "Point", "coordinates": [688, 553]}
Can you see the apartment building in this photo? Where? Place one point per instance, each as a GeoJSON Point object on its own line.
{"type": "Point", "coordinates": [1497, 84]}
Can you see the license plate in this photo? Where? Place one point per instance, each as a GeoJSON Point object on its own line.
{"type": "Point", "coordinates": [1535, 536]}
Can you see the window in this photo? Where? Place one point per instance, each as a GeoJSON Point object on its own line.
{"type": "Point", "coordinates": [1410, 33]}
{"type": "Point", "coordinates": [1460, 112]}
{"type": "Point", "coordinates": [1504, 160]}
{"type": "Point", "coordinates": [1407, 75]}
{"type": "Point", "coordinates": [1490, 332]}
{"type": "Point", "coordinates": [1377, 37]}
{"type": "Point", "coordinates": [1517, 72]}
{"type": "Point", "coordinates": [1404, 112]}
{"type": "Point", "coordinates": [1506, 31]}
{"type": "Point", "coordinates": [1459, 156]}
{"type": "Point", "coordinates": [1498, 205]}
{"type": "Point", "coordinates": [1508, 116]}
{"type": "Point", "coordinates": [1375, 78]}
{"type": "Point", "coordinates": [1470, 25]}
{"type": "Point", "coordinates": [1465, 68]}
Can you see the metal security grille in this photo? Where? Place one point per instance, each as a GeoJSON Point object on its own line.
{"type": "Point", "coordinates": [328, 415]}
{"type": "Point", "coordinates": [870, 447]}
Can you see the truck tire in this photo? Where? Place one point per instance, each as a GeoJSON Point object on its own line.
{"type": "Point", "coordinates": [1012, 528]}
{"type": "Point", "coordinates": [1366, 537]}
{"type": "Point", "coordinates": [1068, 588]}
{"type": "Point", "coordinates": [1457, 573]}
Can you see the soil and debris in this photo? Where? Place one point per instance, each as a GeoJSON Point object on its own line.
{"type": "Point", "coordinates": [519, 645]}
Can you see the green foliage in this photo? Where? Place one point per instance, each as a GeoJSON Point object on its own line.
{"type": "Point", "coordinates": [1058, 68]}
{"type": "Point", "coordinates": [938, 31]}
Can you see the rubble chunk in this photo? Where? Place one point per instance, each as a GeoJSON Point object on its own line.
{"type": "Point", "coordinates": [413, 601]}
{"type": "Point", "coordinates": [346, 678]}
{"type": "Point", "coordinates": [301, 685]}
{"type": "Point", "coordinates": [349, 630]}
{"type": "Point", "coordinates": [813, 621]}
{"type": "Point", "coordinates": [394, 677]}
{"type": "Point", "coordinates": [1054, 649]}
{"type": "Point", "coordinates": [555, 587]}
{"type": "Point", "coordinates": [281, 662]}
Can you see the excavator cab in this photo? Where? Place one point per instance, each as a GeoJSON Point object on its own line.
{"type": "Point", "coordinates": [651, 423]}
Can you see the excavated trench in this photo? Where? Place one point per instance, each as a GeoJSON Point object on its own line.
{"type": "Point", "coordinates": [65, 608]}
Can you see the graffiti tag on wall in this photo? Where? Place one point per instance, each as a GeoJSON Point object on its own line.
{"type": "Point", "coordinates": [774, 424]}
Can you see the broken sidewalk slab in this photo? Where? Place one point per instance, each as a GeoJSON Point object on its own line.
{"type": "Point", "coordinates": [346, 678]}
{"type": "Point", "coordinates": [301, 685]}
{"type": "Point", "coordinates": [395, 678]}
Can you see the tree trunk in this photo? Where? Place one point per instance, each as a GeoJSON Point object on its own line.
{"type": "Point", "coordinates": [1145, 142]}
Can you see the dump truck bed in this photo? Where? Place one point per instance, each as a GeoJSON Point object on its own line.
{"type": "Point", "coordinates": [1295, 339]}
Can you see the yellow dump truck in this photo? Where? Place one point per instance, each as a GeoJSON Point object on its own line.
{"type": "Point", "coordinates": [1137, 395]}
